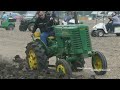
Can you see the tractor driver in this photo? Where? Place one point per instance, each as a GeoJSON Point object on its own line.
{"type": "Point", "coordinates": [44, 23]}
{"type": "Point", "coordinates": [4, 16]}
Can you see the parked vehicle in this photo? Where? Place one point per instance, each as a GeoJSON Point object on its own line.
{"type": "Point", "coordinates": [8, 24]}
{"type": "Point", "coordinates": [27, 24]}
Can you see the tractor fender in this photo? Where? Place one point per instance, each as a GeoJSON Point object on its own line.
{"type": "Point", "coordinates": [11, 24]}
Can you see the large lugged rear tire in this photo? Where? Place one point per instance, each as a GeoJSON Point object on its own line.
{"type": "Point", "coordinates": [99, 63]}
{"type": "Point", "coordinates": [22, 28]}
{"type": "Point", "coordinates": [36, 56]}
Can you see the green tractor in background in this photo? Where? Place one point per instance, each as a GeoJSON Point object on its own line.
{"type": "Point", "coordinates": [27, 24]}
{"type": "Point", "coordinates": [8, 24]}
{"type": "Point", "coordinates": [70, 45]}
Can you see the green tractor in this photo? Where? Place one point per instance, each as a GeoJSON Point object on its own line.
{"type": "Point", "coordinates": [70, 45]}
{"type": "Point", "coordinates": [8, 24]}
{"type": "Point", "coordinates": [27, 24]}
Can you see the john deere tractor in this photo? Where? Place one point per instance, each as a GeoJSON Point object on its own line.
{"type": "Point", "coordinates": [8, 24]}
{"type": "Point", "coordinates": [70, 45]}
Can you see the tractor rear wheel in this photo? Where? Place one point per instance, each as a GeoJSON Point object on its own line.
{"type": "Point", "coordinates": [36, 56]}
{"type": "Point", "coordinates": [99, 63]}
{"type": "Point", "coordinates": [63, 69]}
{"type": "Point", "coordinates": [22, 28]}
{"type": "Point", "coordinates": [10, 27]}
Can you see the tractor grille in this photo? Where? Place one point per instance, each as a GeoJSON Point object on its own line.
{"type": "Point", "coordinates": [76, 40]}
{"type": "Point", "coordinates": [88, 39]}
{"type": "Point", "coordinates": [80, 40]}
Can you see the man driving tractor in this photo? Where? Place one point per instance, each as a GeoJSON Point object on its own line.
{"type": "Point", "coordinates": [4, 17]}
{"type": "Point", "coordinates": [44, 23]}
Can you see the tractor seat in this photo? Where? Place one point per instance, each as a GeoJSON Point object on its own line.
{"type": "Point", "coordinates": [37, 35]}
{"type": "Point", "coordinates": [51, 37]}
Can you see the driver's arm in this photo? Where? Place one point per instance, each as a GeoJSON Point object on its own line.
{"type": "Point", "coordinates": [50, 21]}
{"type": "Point", "coordinates": [36, 25]}
{"type": "Point", "coordinates": [110, 19]}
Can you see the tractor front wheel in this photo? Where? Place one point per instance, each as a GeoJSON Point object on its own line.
{"type": "Point", "coordinates": [63, 69]}
{"type": "Point", "coordinates": [99, 63]}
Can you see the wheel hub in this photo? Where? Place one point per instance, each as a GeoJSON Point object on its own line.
{"type": "Point", "coordinates": [32, 60]}
{"type": "Point", "coordinates": [98, 64]}
{"type": "Point", "coordinates": [61, 71]}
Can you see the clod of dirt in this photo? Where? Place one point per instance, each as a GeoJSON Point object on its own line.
{"type": "Point", "coordinates": [19, 70]}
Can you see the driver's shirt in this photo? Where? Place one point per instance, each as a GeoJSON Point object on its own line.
{"type": "Point", "coordinates": [5, 17]}
{"type": "Point", "coordinates": [116, 20]}
{"type": "Point", "coordinates": [42, 24]}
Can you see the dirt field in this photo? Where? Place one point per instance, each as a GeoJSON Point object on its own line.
{"type": "Point", "coordinates": [14, 42]}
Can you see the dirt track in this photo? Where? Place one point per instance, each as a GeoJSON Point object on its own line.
{"type": "Point", "coordinates": [14, 42]}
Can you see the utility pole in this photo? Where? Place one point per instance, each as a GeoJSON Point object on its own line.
{"type": "Point", "coordinates": [97, 16]}
{"type": "Point", "coordinates": [75, 17]}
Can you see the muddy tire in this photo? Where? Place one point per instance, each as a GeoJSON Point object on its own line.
{"type": "Point", "coordinates": [36, 56]}
{"type": "Point", "coordinates": [63, 69]}
{"type": "Point", "coordinates": [22, 28]}
{"type": "Point", "coordinates": [99, 63]}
